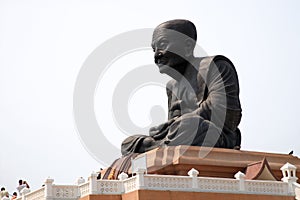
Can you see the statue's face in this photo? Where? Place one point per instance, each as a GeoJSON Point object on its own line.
{"type": "Point", "coordinates": [168, 50]}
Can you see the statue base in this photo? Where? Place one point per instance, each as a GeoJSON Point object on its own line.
{"type": "Point", "coordinates": [210, 162]}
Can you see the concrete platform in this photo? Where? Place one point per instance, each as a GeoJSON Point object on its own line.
{"type": "Point", "coordinates": [210, 162]}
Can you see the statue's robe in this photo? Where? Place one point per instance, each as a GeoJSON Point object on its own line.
{"type": "Point", "coordinates": [205, 111]}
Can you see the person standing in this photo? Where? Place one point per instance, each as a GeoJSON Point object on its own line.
{"type": "Point", "coordinates": [14, 196]}
{"type": "Point", "coordinates": [2, 193]}
{"type": "Point", "coordinates": [22, 185]}
{"type": "Point", "coordinates": [6, 196]}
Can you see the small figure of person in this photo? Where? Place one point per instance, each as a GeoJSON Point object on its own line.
{"type": "Point", "coordinates": [2, 192]}
{"type": "Point", "coordinates": [14, 196]}
{"type": "Point", "coordinates": [6, 196]}
{"type": "Point", "coordinates": [22, 185]}
{"type": "Point", "coordinates": [99, 174]}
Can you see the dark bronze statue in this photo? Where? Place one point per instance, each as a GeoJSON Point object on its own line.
{"type": "Point", "coordinates": [203, 96]}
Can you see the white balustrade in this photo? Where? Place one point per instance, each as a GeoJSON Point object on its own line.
{"type": "Point", "coordinates": [36, 195]}
{"type": "Point", "coordinates": [266, 187]}
{"type": "Point", "coordinates": [241, 177]}
{"type": "Point", "coordinates": [84, 189]}
{"type": "Point", "coordinates": [289, 176]}
{"type": "Point", "coordinates": [218, 184]}
{"type": "Point", "coordinates": [65, 191]}
{"type": "Point", "coordinates": [130, 184]}
{"type": "Point", "coordinates": [297, 190]}
{"type": "Point", "coordinates": [24, 192]}
{"type": "Point", "coordinates": [123, 176]}
{"type": "Point", "coordinates": [286, 187]}
{"type": "Point", "coordinates": [167, 182]}
{"type": "Point", "coordinates": [93, 183]}
{"type": "Point", "coordinates": [109, 187]}
{"type": "Point", "coordinates": [194, 173]}
{"type": "Point", "coordinates": [48, 188]}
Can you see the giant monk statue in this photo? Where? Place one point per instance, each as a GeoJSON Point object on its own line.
{"type": "Point", "coordinates": [203, 96]}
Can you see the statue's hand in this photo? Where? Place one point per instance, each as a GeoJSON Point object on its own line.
{"type": "Point", "coordinates": [175, 109]}
{"type": "Point", "coordinates": [160, 131]}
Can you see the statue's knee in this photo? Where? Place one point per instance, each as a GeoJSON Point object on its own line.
{"type": "Point", "coordinates": [148, 142]}
{"type": "Point", "coordinates": [128, 140]}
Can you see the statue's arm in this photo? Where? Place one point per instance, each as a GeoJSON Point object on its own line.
{"type": "Point", "coordinates": [223, 93]}
{"type": "Point", "coordinates": [174, 105]}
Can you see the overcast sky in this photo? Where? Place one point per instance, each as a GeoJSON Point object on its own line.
{"type": "Point", "coordinates": [43, 45]}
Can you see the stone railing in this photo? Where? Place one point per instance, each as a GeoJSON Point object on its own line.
{"type": "Point", "coordinates": [287, 187]}
{"type": "Point", "coordinates": [217, 184]}
{"type": "Point", "coordinates": [297, 190]}
{"type": "Point", "coordinates": [266, 187]}
{"type": "Point", "coordinates": [179, 183]}
{"type": "Point", "coordinates": [35, 195]}
{"type": "Point", "coordinates": [109, 187]}
{"type": "Point", "coordinates": [84, 189]}
{"type": "Point", "coordinates": [130, 185]}
{"type": "Point", "coordinates": [65, 192]}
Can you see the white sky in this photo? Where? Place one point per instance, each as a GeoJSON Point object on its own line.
{"type": "Point", "coordinates": [43, 45]}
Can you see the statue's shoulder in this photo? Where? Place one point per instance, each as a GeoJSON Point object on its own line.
{"type": "Point", "coordinates": [211, 66]}
{"type": "Point", "coordinates": [209, 60]}
{"type": "Point", "coordinates": [220, 62]}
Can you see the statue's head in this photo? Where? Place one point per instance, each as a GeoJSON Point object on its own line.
{"type": "Point", "coordinates": [173, 44]}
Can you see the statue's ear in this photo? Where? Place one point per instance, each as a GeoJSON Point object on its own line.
{"type": "Point", "coordinates": [189, 47]}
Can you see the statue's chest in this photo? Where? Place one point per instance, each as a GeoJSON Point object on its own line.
{"type": "Point", "coordinates": [186, 95]}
